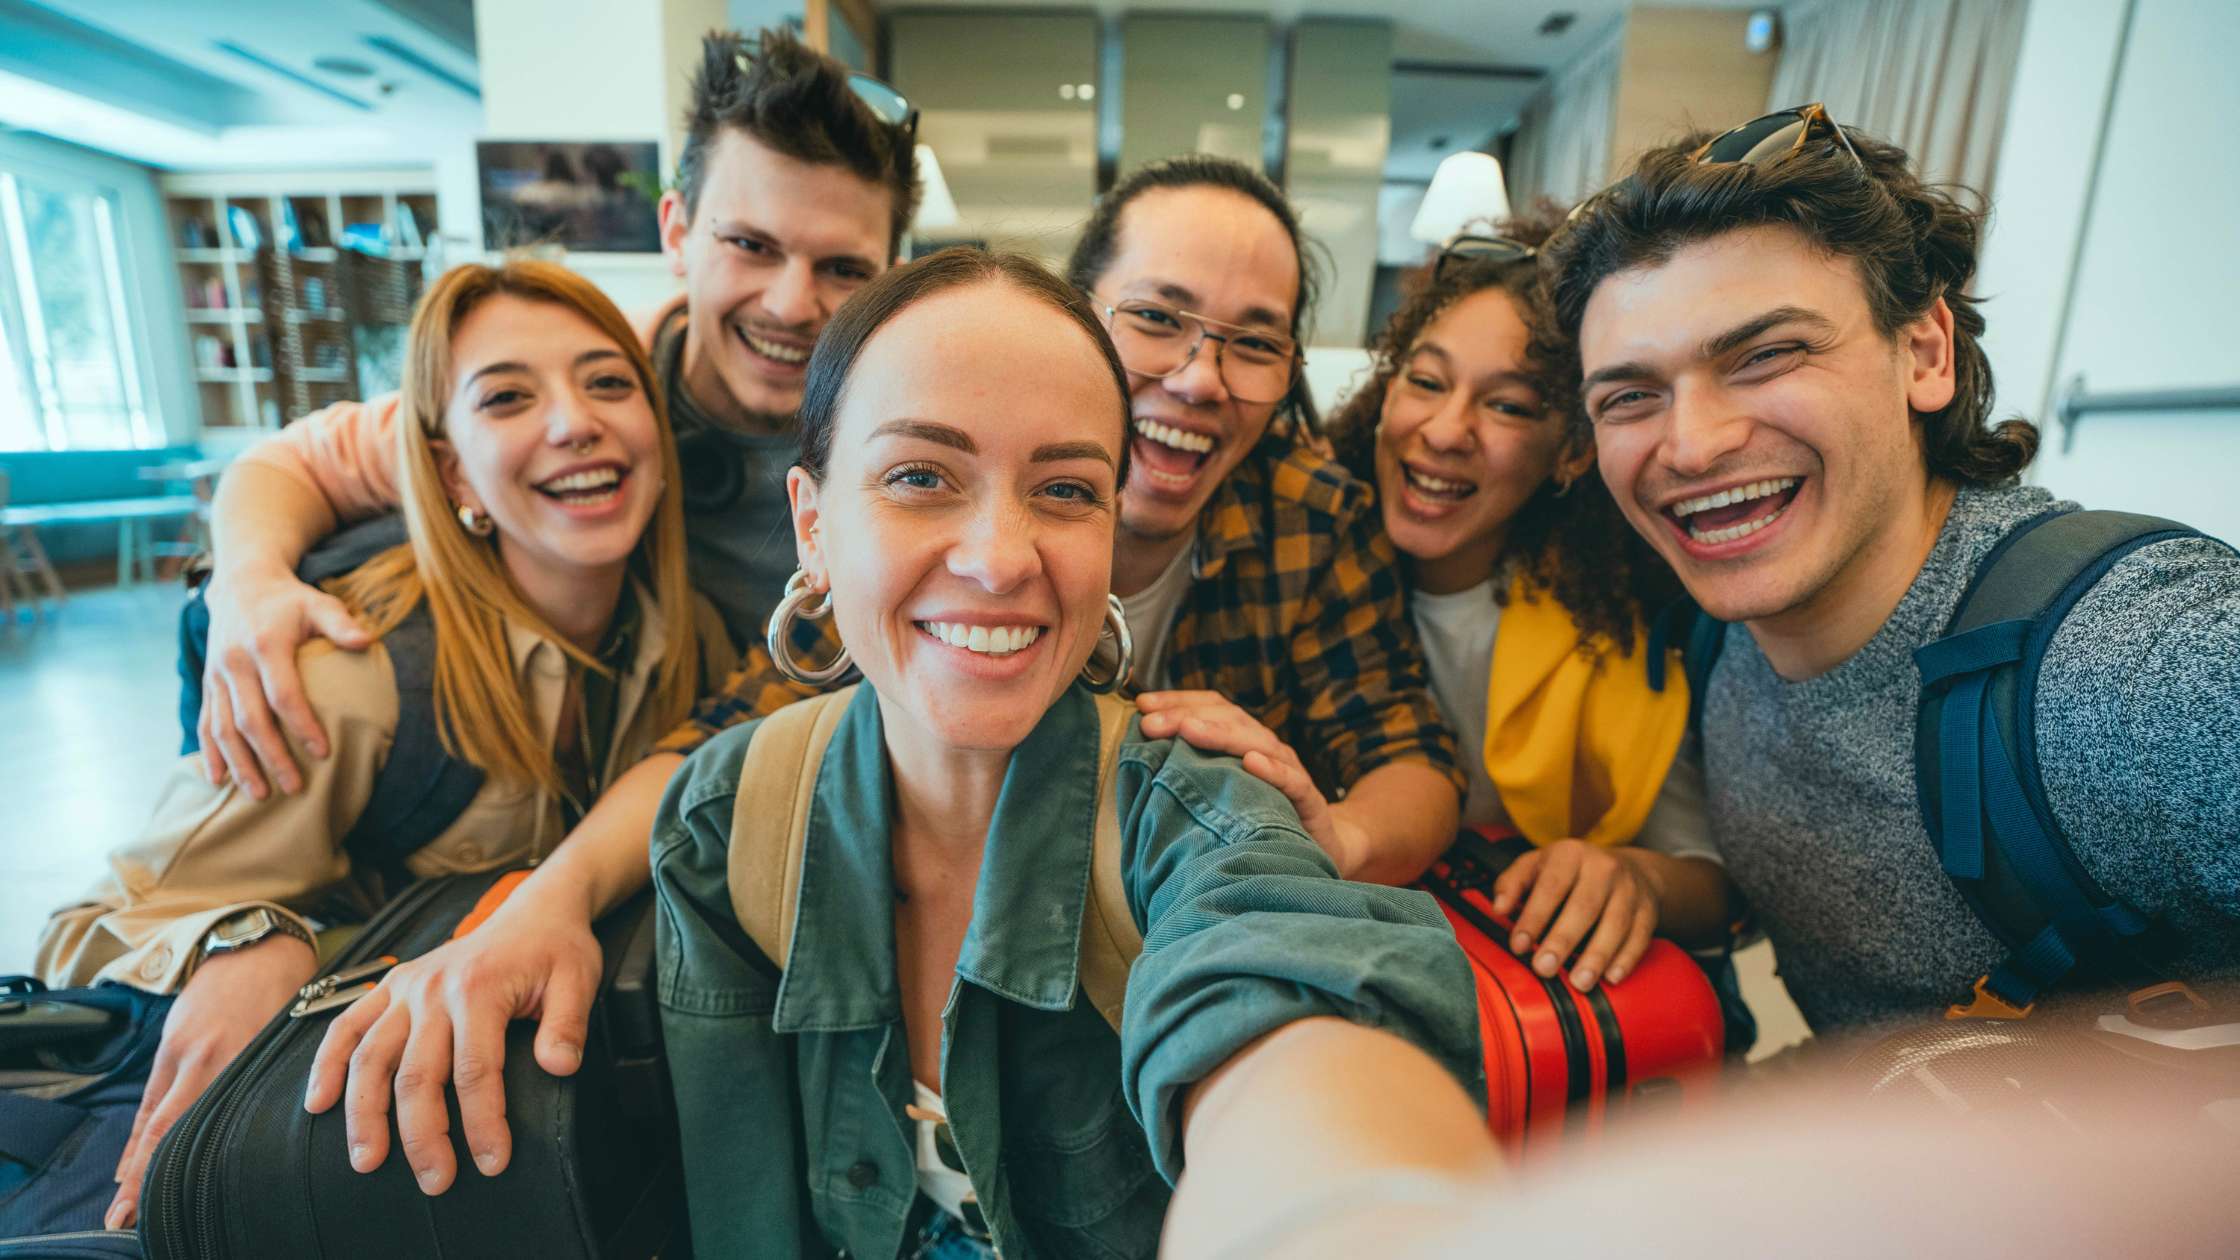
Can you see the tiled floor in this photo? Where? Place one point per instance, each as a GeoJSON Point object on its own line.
{"type": "Point", "coordinates": [89, 726]}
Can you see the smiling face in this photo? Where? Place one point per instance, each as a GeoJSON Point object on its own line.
{"type": "Point", "coordinates": [1463, 440]}
{"type": "Point", "coordinates": [1755, 426]}
{"type": "Point", "coordinates": [964, 523]}
{"type": "Point", "coordinates": [1220, 254]}
{"type": "Point", "coordinates": [774, 247]}
{"type": "Point", "coordinates": [550, 433]}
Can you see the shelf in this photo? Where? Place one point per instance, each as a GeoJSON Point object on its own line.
{"type": "Point", "coordinates": [331, 315]}
{"type": "Point", "coordinates": [330, 376]}
{"type": "Point", "coordinates": [228, 376]}
{"type": "Point", "coordinates": [315, 254]}
{"type": "Point", "coordinates": [214, 255]}
{"type": "Point", "coordinates": [223, 315]}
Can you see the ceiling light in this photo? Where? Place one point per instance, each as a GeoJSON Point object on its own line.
{"type": "Point", "coordinates": [1236, 100]}
{"type": "Point", "coordinates": [1088, 91]}
{"type": "Point", "coordinates": [1066, 91]}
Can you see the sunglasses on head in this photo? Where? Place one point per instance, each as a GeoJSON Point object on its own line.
{"type": "Point", "coordinates": [1472, 248]}
{"type": "Point", "coordinates": [886, 103]}
{"type": "Point", "coordinates": [1774, 136]}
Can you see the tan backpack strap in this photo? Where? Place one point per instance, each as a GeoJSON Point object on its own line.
{"type": "Point", "coordinates": [770, 817]}
{"type": "Point", "coordinates": [1110, 941]}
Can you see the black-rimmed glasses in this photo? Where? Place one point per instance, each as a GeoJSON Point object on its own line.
{"type": "Point", "coordinates": [1471, 248]}
{"type": "Point", "coordinates": [1774, 136]}
{"type": "Point", "coordinates": [1155, 339]}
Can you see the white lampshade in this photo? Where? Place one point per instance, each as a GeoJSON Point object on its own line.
{"type": "Point", "coordinates": [1467, 188]}
{"type": "Point", "coordinates": [937, 209]}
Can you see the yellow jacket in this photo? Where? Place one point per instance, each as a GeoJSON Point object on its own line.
{"type": "Point", "coordinates": [1577, 745]}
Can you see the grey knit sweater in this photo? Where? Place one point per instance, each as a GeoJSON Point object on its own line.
{"type": "Point", "coordinates": [2138, 717]}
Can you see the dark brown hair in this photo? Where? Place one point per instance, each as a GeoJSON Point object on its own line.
{"type": "Point", "coordinates": [893, 292]}
{"type": "Point", "coordinates": [1100, 238]}
{"type": "Point", "coordinates": [1911, 243]}
{"type": "Point", "coordinates": [796, 101]}
{"type": "Point", "coordinates": [1571, 543]}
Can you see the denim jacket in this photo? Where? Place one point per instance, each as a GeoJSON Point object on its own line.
{"type": "Point", "coordinates": [791, 1087]}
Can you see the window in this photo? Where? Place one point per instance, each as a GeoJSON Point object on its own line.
{"type": "Point", "coordinates": [69, 375]}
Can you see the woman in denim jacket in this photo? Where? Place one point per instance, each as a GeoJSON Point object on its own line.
{"type": "Point", "coordinates": [922, 1077]}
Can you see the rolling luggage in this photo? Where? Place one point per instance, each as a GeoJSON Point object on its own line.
{"type": "Point", "coordinates": [1561, 1064]}
{"type": "Point", "coordinates": [247, 1172]}
{"type": "Point", "coordinates": [73, 1064]}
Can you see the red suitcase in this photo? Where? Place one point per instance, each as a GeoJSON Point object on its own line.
{"type": "Point", "coordinates": [1560, 1063]}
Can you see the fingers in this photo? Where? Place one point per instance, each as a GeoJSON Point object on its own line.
{"type": "Point", "coordinates": [1510, 884]}
{"type": "Point", "coordinates": [330, 1067]}
{"type": "Point", "coordinates": [1298, 787]}
{"type": "Point", "coordinates": [1610, 931]}
{"type": "Point", "coordinates": [132, 1164]}
{"type": "Point", "coordinates": [331, 620]}
{"type": "Point", "coordinates": [478, 1061]}
{"type": "Point", "coordinates": [1559, 869]}
{"type": "Point", "coordinates": [225, 738]}
{"type": "Point", "coordinates": [365, 1100]}
{"type": "Point", "coordinates": [566, 1021]}
{"type": "Point", "coordinates": [1581, 910]}
{"type": "Point", "coordinates": [159, 1110]}
{"type": "Point", "coordinates": [283, 690]}
{"type": "Point", "coordinates": [1160, 701]}
{"type": "Point", "coordinates": [251, 678]}
{"type": "Point", "coordinates": [1637, 940]}
{"type": "Point", "coordinates": [423, 1122]}
{"type": "Point", "coordinates": [206, 728]}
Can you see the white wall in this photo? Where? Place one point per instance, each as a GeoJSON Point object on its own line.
{"type": "Point", "coordinates": [150, 276]}
{"type": "Point", "coordinates": [2151, 305]}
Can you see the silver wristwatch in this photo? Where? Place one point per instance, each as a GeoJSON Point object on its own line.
{"type": "Point", "coordinates": [244, 928]}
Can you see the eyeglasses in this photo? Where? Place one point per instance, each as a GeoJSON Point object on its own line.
{"type": "Point", "coordinates": [887, 104]}
{"type": "Point", "coordinates": [1471, 248]}
{"type": "Point", "coordinates": [1154, 339]}
{"type": "Point", "coordinates": [969, 1215]}
{"type": "Point", "coordinates": [1774, 136]}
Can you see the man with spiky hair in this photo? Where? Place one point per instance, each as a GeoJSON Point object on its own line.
{"type": "Point", "coordinates": [1781, 359]}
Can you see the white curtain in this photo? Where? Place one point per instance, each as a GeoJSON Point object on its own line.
{"type": "Point", "coordinates": [1562, 146]}
{"type": "Point", "coordinates": [1931, 76]}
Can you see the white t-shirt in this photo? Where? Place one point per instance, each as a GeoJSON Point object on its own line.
{"type": "Point", "coordinates": [1458, 632]}
{"type": "Point", "coordinates": [1150, 613]}
{"type": "Point", "coordinates": [947, 1187]}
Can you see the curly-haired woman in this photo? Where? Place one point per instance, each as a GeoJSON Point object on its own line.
{"type": "Point", "coordinates": [1530, 594]}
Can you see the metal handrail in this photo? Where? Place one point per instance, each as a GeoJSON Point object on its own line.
{"type": "Point", "coordinates": [2076, 400]}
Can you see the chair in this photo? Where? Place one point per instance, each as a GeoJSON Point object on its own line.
{"type": "Point", "coordinates": [21, 560]}
{"type": "Point", "coordinates": [198, 477]}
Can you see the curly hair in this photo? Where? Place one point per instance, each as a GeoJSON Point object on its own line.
{"type": "Point", "coordinates": [1911, 243]}
{"type": "Point", "coordinates": [1569, 541]}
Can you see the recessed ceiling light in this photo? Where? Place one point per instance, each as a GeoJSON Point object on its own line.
{"type": "Point", "coordinates": [344, 66]}
{"type": "Point", "coordinates": [1066, 91]}
{"type": "Point", "coordinates": [1087, 91]}
{"type": "Point", "coordinates": [1558, 22]}
{"type": "Point", "coordinates": [1236, 100]}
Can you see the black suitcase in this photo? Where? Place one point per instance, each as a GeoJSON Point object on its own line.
{"type": "Point", "coordinates": [595, 1172]}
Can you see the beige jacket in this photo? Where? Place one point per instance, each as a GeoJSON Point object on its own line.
{"type": "Point", "coordinates": [209, 852]}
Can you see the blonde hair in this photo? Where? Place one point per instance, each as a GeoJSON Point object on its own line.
{"type": "Point", "coordinates": [482, 713]}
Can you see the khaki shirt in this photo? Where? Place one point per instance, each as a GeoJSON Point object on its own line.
{"type": "Point", "coordinates": [209, 852]}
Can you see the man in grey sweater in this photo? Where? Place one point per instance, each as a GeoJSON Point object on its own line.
{"type": "Point", "coordinates": [1783, 371]}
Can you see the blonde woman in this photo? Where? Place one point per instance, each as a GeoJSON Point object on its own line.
{"type": "Point", "coordinates": [546, 562]}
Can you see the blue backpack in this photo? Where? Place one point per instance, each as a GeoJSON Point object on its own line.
{"type": "Point", "coordinates": [1975, 752]}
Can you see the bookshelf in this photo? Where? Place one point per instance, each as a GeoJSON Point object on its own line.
{"type": "Point", "coordinates": [276, 332]}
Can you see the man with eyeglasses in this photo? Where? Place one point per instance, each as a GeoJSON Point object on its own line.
{"type": "Point", "coordinates": [1956, 733]}
{"type": "Point", "coordinates": [795, 186]}
{"type": "Point", "coordinates": [1264, 602]}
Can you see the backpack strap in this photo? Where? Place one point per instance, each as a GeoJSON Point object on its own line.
{"type": "Point", "coordinates": [770, 817]}
{"type": "Point", "coordinates": [421, 789]}
{"type": "Point", "coordinates": [770, 828]}
{"type": "Point", "coordinates": [1110, 939]}
{"type": "Point", "coordinates": [1976, 769]}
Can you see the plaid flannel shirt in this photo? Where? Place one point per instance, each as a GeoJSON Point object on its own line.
{"type": "Point", "coordinates": [1296, 612]}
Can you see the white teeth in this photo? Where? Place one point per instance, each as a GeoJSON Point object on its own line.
{"type": "Point", "coordinates": [1727, 498]}
{"type": "Point", "coordinates": [774, 350]}
{"type": "Point", "coordinates": [588, 479]}
{"type": "Point", "coordinates": [1168, 435]}
{"type": "Point", "coordinates": [986, 640]}
{"type": "Point", "coordinates": [1437, 485]}
{"type": "Point", "coordinates": [1730, 533]}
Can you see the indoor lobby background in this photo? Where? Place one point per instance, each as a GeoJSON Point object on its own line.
{"type": "Point", "coordinates": [213, 216]}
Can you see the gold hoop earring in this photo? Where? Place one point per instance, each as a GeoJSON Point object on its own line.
{"type": "Point", "coordinates": [1116, 622]}
{"type": "Point", "coordinates": [780, 632]}
{"type": "Point", "coordinates": [476, 523]}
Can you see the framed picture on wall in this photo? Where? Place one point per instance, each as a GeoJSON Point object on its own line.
{"type": "Point", "coordinates": [598, 196]}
